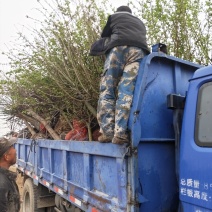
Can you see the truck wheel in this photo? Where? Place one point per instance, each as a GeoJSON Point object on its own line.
{"type": "Point", "coordinates": [30, 197]}
{"type": "Point", "coordinates": [67, 207]}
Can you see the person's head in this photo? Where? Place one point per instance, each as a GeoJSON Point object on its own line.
{"type": "Point", "coordinates": [124, 9]}
{"type": "Point", "coordinates": [7, 152]}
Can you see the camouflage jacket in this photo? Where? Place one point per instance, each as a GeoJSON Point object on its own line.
{"type": "Point", "coordinates": [9, 193]}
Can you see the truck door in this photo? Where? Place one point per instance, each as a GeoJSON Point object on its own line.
{"type": "Point", "coordinates": [195, 183]}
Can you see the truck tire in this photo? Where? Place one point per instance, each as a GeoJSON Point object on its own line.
{"type": "Point", "coordinates": [30, 197]}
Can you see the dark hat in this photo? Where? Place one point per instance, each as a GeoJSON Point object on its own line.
{"type": "Point", "coordinates": [124, 9]}
{"type": "Point", "coordinates": [5, 144]}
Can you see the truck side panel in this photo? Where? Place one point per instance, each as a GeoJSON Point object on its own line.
{"type": "Point", "coordinates": [91, 172]}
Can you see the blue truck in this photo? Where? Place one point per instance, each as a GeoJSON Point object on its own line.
{"type": "Point", "coordinates": [165, 168]}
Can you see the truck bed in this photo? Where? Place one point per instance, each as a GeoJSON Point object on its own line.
{"type": "Point", "coordinates": [80, 172]}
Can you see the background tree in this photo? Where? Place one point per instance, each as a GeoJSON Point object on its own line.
{"type": "Point", "coordinates": [184, 25]}
{"type": "Point", "coordinates": [54, 74]}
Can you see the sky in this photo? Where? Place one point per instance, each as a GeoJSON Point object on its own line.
{"type": "Point", "coordinates": [13, 19]}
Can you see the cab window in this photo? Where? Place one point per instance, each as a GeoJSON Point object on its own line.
{"type": "Point", "coordinates": [203, 129]}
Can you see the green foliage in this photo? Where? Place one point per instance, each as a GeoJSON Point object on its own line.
{"type": "Point", "coordinates": [54, 72]}
{"type": "Point", "coordinates": [184, 26]}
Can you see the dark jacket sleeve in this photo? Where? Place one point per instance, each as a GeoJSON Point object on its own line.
{"type": "Point", "coordinates": [107, 31]}
{"type": "Point", "coordinates": [3, 199]}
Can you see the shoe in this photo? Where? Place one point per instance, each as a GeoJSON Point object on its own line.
{"type": "Point", "coordinates": [118, 140]}
{"type": "Point", "coordinates": [104, 139]}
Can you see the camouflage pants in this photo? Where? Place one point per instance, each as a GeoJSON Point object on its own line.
{"type": "Point", "coordinates": [116, 90]}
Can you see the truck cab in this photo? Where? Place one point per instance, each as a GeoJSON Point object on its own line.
{"type": "Point", "coordinates": [195, 183]}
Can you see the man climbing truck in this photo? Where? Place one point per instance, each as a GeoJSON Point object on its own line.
{"type": "Point", "coordinates": [166, 167]}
